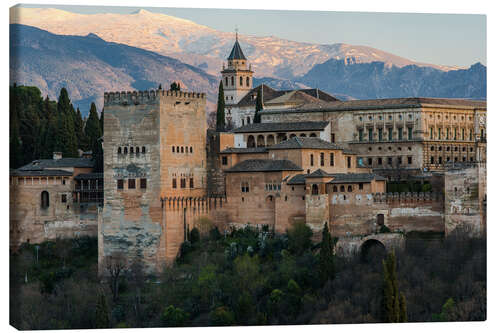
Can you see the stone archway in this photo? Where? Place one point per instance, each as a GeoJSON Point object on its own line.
{"type": "Point", "coordinates": [373, 250]}
{"type": "Point", "coordinates": [250, 141]}
{"type": "Point", "coordinates": [261, 141]}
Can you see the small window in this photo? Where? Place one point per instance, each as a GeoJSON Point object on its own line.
{"type": "Point", "coordinates": [143, 150]}
{"type": "Point", "coordinates": [182, 150]}
{"type": "Point", "coordinates": [64, 181]}
{"type": "Point", "coordinates": [191, 183]}
{"type": "Point", "coordinates": [248, 81]}
{"type": "Point", "coordinates": [173, 149]}
{"type": "Point", "coordinates": [144, 183]}
{"type": "Point", "coordinates": [322, 159]}
{"type": "Point", "coordinates": [137, 150]}
{"type": "Point", "coordinates": [224, 160]}
{"type": "Point", "coordinates": [183, 182]}
{"type": "Point", "coordinates": [348, 161]}
{"type": "Point", "coordinates": [349, 188]}
{"type": "Point", "coordinates": [119, 184]}
{"type": "Point", "coordinates": [125, 150]}
{"type": "Point", "coordinates": [335, 189]}
{"type": "Point", "coordinates": [178, 149]}
{"type": "Point", "coordinates": [360, 186]}
{"type": "Point", "coordinates": [191, 150]}
{"type": "Point", "coordinates": [332, 161]}
{"type": "Point", "coordinates": [119, 150]}
{"type": "Point", "coordinates": [312, 159]}
{"type": "Point", "coordinates": [131, 183]}
{"type": "Point", "coordinates": [342, 188]}
{"type": "Point", "coordinates": [379, 161]}
{"type": "Point", "coordinates": [45, 199]}
{"type": "Point", "coordinates": [410, 160]}
{"type": "Point", "coordinates": [63, 198]}
{"type": "Point", "coordinates": [174, 183]}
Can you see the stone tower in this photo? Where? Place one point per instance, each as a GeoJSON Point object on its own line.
{"type": "Point", "coordinates": [237, 76]}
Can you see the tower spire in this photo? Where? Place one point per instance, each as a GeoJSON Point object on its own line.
{"type": "Point", "coordinates": [236, 30]}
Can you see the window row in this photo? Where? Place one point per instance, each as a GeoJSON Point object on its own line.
{"type": "Point", "coordinates": [241, 79]}
{"type": "Point", "coordinates": [449, 148]}
{"type": "Point", "coordinates": [127, 150]}
{"type": "Point", "coordinates": [131, 182]}
{"type": "Point", "coordinates": [181, 150]}
{"type": "Point", "coordinates": [452, 133]}
{"type": "Point", "coordinates": [388, 117]}
{"type": "Point", "coordinates": [183, 182]}
{"type": "Point", "coordinates": [370, 161]}
{"type": "Point", "coordinates": [381, 135]}
{"type": "Point", "coordinates": [273, 187]}
{"type": "Point", "coordinates": [456, 159]}
{"type": "Point", "coordinates": [45, 199]}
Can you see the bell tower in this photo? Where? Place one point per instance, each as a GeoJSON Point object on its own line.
{"type": "Point", "coordinates": [237, 76]}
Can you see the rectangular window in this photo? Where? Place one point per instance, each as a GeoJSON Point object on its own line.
{"type": "Point", "coordinates": [348, 161]}
{"type": "Point", "coordinates": [144, 183]}
{"type": "Point", "coordinates": [333, 137]}
{"type": "Point", "coordinates": [389, 160]}
{"type": "Point", "coordinates": [439, 133]}
{"type": "Point", "coordinates": [191, 183]}
{"type": "Point", "coordinates": [174, 183]}
{"type": "Point", "coordinates": [331, 159]}
{"type": "Point", "coordinates": [447, 134]}
{"type": "Point", "coordinates": [322, 159]}
{"type": "Point", "coordinates": [360, 186]}
{"type": "Point", "coordinates": [410, 133]}
{"type": "Point", "coordinates": [432, 133]}
{"type": "Point", "coordinates": [380, 161]}
{"type": "Point", "coordinates": [390, 133]}
{"type": "Point", "coordinates": [119, 184]}
{"type": "Point", "coordinates": [224, 160]}
{"type": "Point", "coordinates": [400, 133]}
{"type": "Point", "coordinates": [463, 134]}
{"type": "Point", "coordinates": [380, 134]}
{"type": "Point", "coordinates": [470, 135]}
{"type": "Point", "coordinates": [370, 161]}
{"type": "Point", "coordinates": [63, 198]}
{"type": "Point", "coordinates": [131, 183]}
{"type": "Point", "coordinates": [370, 134]}
{"type": "Point", "coordinates": [360, 135]}
{"type": "Point", "coordinates": [312, 160]}
{"type": "Point", "coordinates": [409, 160]}
{"type": "Point", "coordinates": [455, 134]}
{"type": "Point", "coordinates": [183, 182]}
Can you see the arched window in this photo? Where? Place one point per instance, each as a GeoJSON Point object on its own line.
{"type": "Point", "coordinates": [303, 135]}
{"type": "Point", "coordinates": [248, 120]}
{"type": "Point", "coordinates": [312, 135]}
{"type": "Point", "coordinates": [173, 149]}
{"type": "Point", "coordinates": [45, 200]}
{"type": "Point", "coordinates": [270, 140]}
{"type": "Point", "coordinates": [312, 159]}
{"type": "Point", "coordinates": [143, 150]}
{"type": "Point", "coordinates": [232, 80]}
{"type": "Point", "coordinates": [119, 150]}
{"type": "Point", "coordinates": [314, 190]}
{"type": "Point", "coordinates": [248, 81]}
{"type": "Point", "coordinates": [125, 150]}
{"type": "Point", "coordinates": [292, 135]}
{"type": "Point", "coordinates": [187, 150]}
{"type": "Point", "coordinates": [241, 80]}
{"type": "Point", "coordinates": [335, 189]}
{"type": "Point", "coordinates": [226, 81]}
{"type": "Point", "coordinates": [260, 141]}
{"type": "Point", "coordinates": [342, 188]}
{"type": "Point", "coordinates": [191, 150]}
{"type": "Point", "coordinates": [131, 150]}
{"type": "Point", "coordinates": [178, 148]}
{"type": "Point", "coordinates": [250, 141]}
{"type": "Point", "coordinates": [349, 188]}
{"type": "Point", "coordinates": [137, 150]}
{"type": "Point", "coordinates": [182, 149]}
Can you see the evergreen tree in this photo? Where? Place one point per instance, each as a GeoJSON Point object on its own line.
{"type": "Point", "coordinates": [258, 106]}
{"type": "Point", "coordinates": [326, 260]}
{"type": "Point", "coordinates": [101, 122]}
{"type": "Point", "coordinates": [221, 105]}
{"type": "Point", "coordinates": [175, 86]}
{"type": "Point", "coordinates": [93, 133]}
{"type": "Point", "coordinates": [65, 135]}
{"type": "Point", "coordinates": [101, 312]}
{"type": "Point", "coordinates": [393, 310]}
{"type": "Point", "coordinates": [80, 134]}
{"type": "Point", "coordinates": [16, 155]}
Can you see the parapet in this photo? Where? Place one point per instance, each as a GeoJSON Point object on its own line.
{"type": "Point", "coordinates": [407, 197]}
{"type": "Point", "coordinates": [147, 96]}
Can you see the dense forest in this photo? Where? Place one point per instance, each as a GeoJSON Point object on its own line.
{"type": "Point", "coordinates": [39, 127]}
{"type": "Point", "coordinates": [250, 277]}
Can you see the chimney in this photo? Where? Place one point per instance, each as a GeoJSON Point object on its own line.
{"type": "Point", "coordinates": [57, 155]}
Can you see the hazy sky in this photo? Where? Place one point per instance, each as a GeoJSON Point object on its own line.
{"type": "Point", "coordinates": [443, 39]}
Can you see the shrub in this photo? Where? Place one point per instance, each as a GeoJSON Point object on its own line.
{"type": "Point", "coordinates": [174, 317]}
{"type": "Point", "coordinates": [222, 316]}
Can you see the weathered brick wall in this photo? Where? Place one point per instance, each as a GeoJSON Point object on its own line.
{"type": "Point", "coordinates": [30, 223]}
{"type": "Point", "coordinates": [465, 204]}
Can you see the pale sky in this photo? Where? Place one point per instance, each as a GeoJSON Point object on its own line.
{"type": "Point", "coordinates": [442, 39]}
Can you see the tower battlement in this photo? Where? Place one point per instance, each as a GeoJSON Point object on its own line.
{"type": "Point", "coordinates": [146, 97]}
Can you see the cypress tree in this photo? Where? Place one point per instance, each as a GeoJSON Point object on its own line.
{"type": "Point", "coordinates": [258, 106]}
{"type": "Point", "coordinates": [16, 154]}
{"type": "Point", "coordinates": [394, 303]}
{"type": "Point", "coordinates": [101, 122]}
{"type": "Point", "coordinates": [80, 135]}
{"type": "Point", "coordinates": [93, 127]}
{"type": "Point", "coordinates": [326, 260]}
{"type": "Point", "coordinates": [221, 105]}
{"type": "Point", "coordinates": [66, 136]}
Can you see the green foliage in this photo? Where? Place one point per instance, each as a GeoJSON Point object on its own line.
{"type": "Point", "coordinates": [222, 316]}
{"type": "Point", "coordinates": [384, 229]}
{"type": "Point", "coordinates": [221, 105]}
{"type": "Point", "coordinates": [326, 260]}
{"type": "Point", "coordinates": [215, 234]}
{"type": "Point", "coordinates": [427, 188]}
{"type": "Point", "coordinates": [258, 106]}
{"type": "Point", "coordinates": [446, 311]}
{"type": "Point", "coordinates": [299, 238]}
{"type": "Point", "coordinates": [102, 317]}
{"type": "Point", "coordinates": [174, 86]}
{"type": "Point", "coordinates": [393, 310]}
{"type": "Point", "coordinates": [174, 317]}
{"type": "Point", "coordinates": [194, 236]}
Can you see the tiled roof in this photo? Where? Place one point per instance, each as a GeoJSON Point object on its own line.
{"type": "Point", "coordinates": [318, 174]}
{"type": "Point", "coordinates": [254, 150]}
{"type": "Point", "coordinates": [384, 103]}
{"type": "Point", "coordinates": [236, 52]}
{"type": "Point", "coordinates": [305, 143]}
{"type": "Point", "coordinates": [90, 175]}
{"type": "Point", "coordinates": [40, 173]}
{"type": "Point", "coordinates": [297, 180]}
{"type": "Point", "coordinates": [282, 127]}
{"type": "Point", "coordinates": [261, 165]}
{"type": "Point", "coordinates": [66, 162]}
{"type": "Point", "coordinates": [270, 95]}
{"type": "Point", "coordinates": [354, 177]}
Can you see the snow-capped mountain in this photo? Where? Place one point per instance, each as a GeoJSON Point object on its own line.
{"type": "Point", "coordinates": [203, 46]}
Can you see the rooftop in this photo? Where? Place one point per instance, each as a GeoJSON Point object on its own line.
{"type": "Point", "coordinates": [305, 143]}
{"type": "Point", "coordinates": [90, 175]}
{"type": "Point", "coordinates": [254, 150]}
{"type": "Point", "coordinates": [67, 162]}
{"type": "Point", "coordinates": [283, 127]}
{"type": "Point", "coordinates": [337, 177]}
{"type": "Point", "coordinates": [40, 173]}
{"type": "Point", "coordinates": [236, 52]}
{"type": "Point", "coordinates": [261, 165]}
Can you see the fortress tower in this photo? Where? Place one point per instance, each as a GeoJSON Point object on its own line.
{"type": "Point", "coordinates": [237, 76]}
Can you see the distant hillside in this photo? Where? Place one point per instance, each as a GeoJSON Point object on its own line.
{"type": "Point", "coordinates": [376, 80]}
{"type": "Point", "coordinates": [88, 66]}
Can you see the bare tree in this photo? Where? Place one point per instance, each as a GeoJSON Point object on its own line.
{"type": "Point", "coordinates": [137, 279]}
{"type": "Point", "coordinates": [116, 265]}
